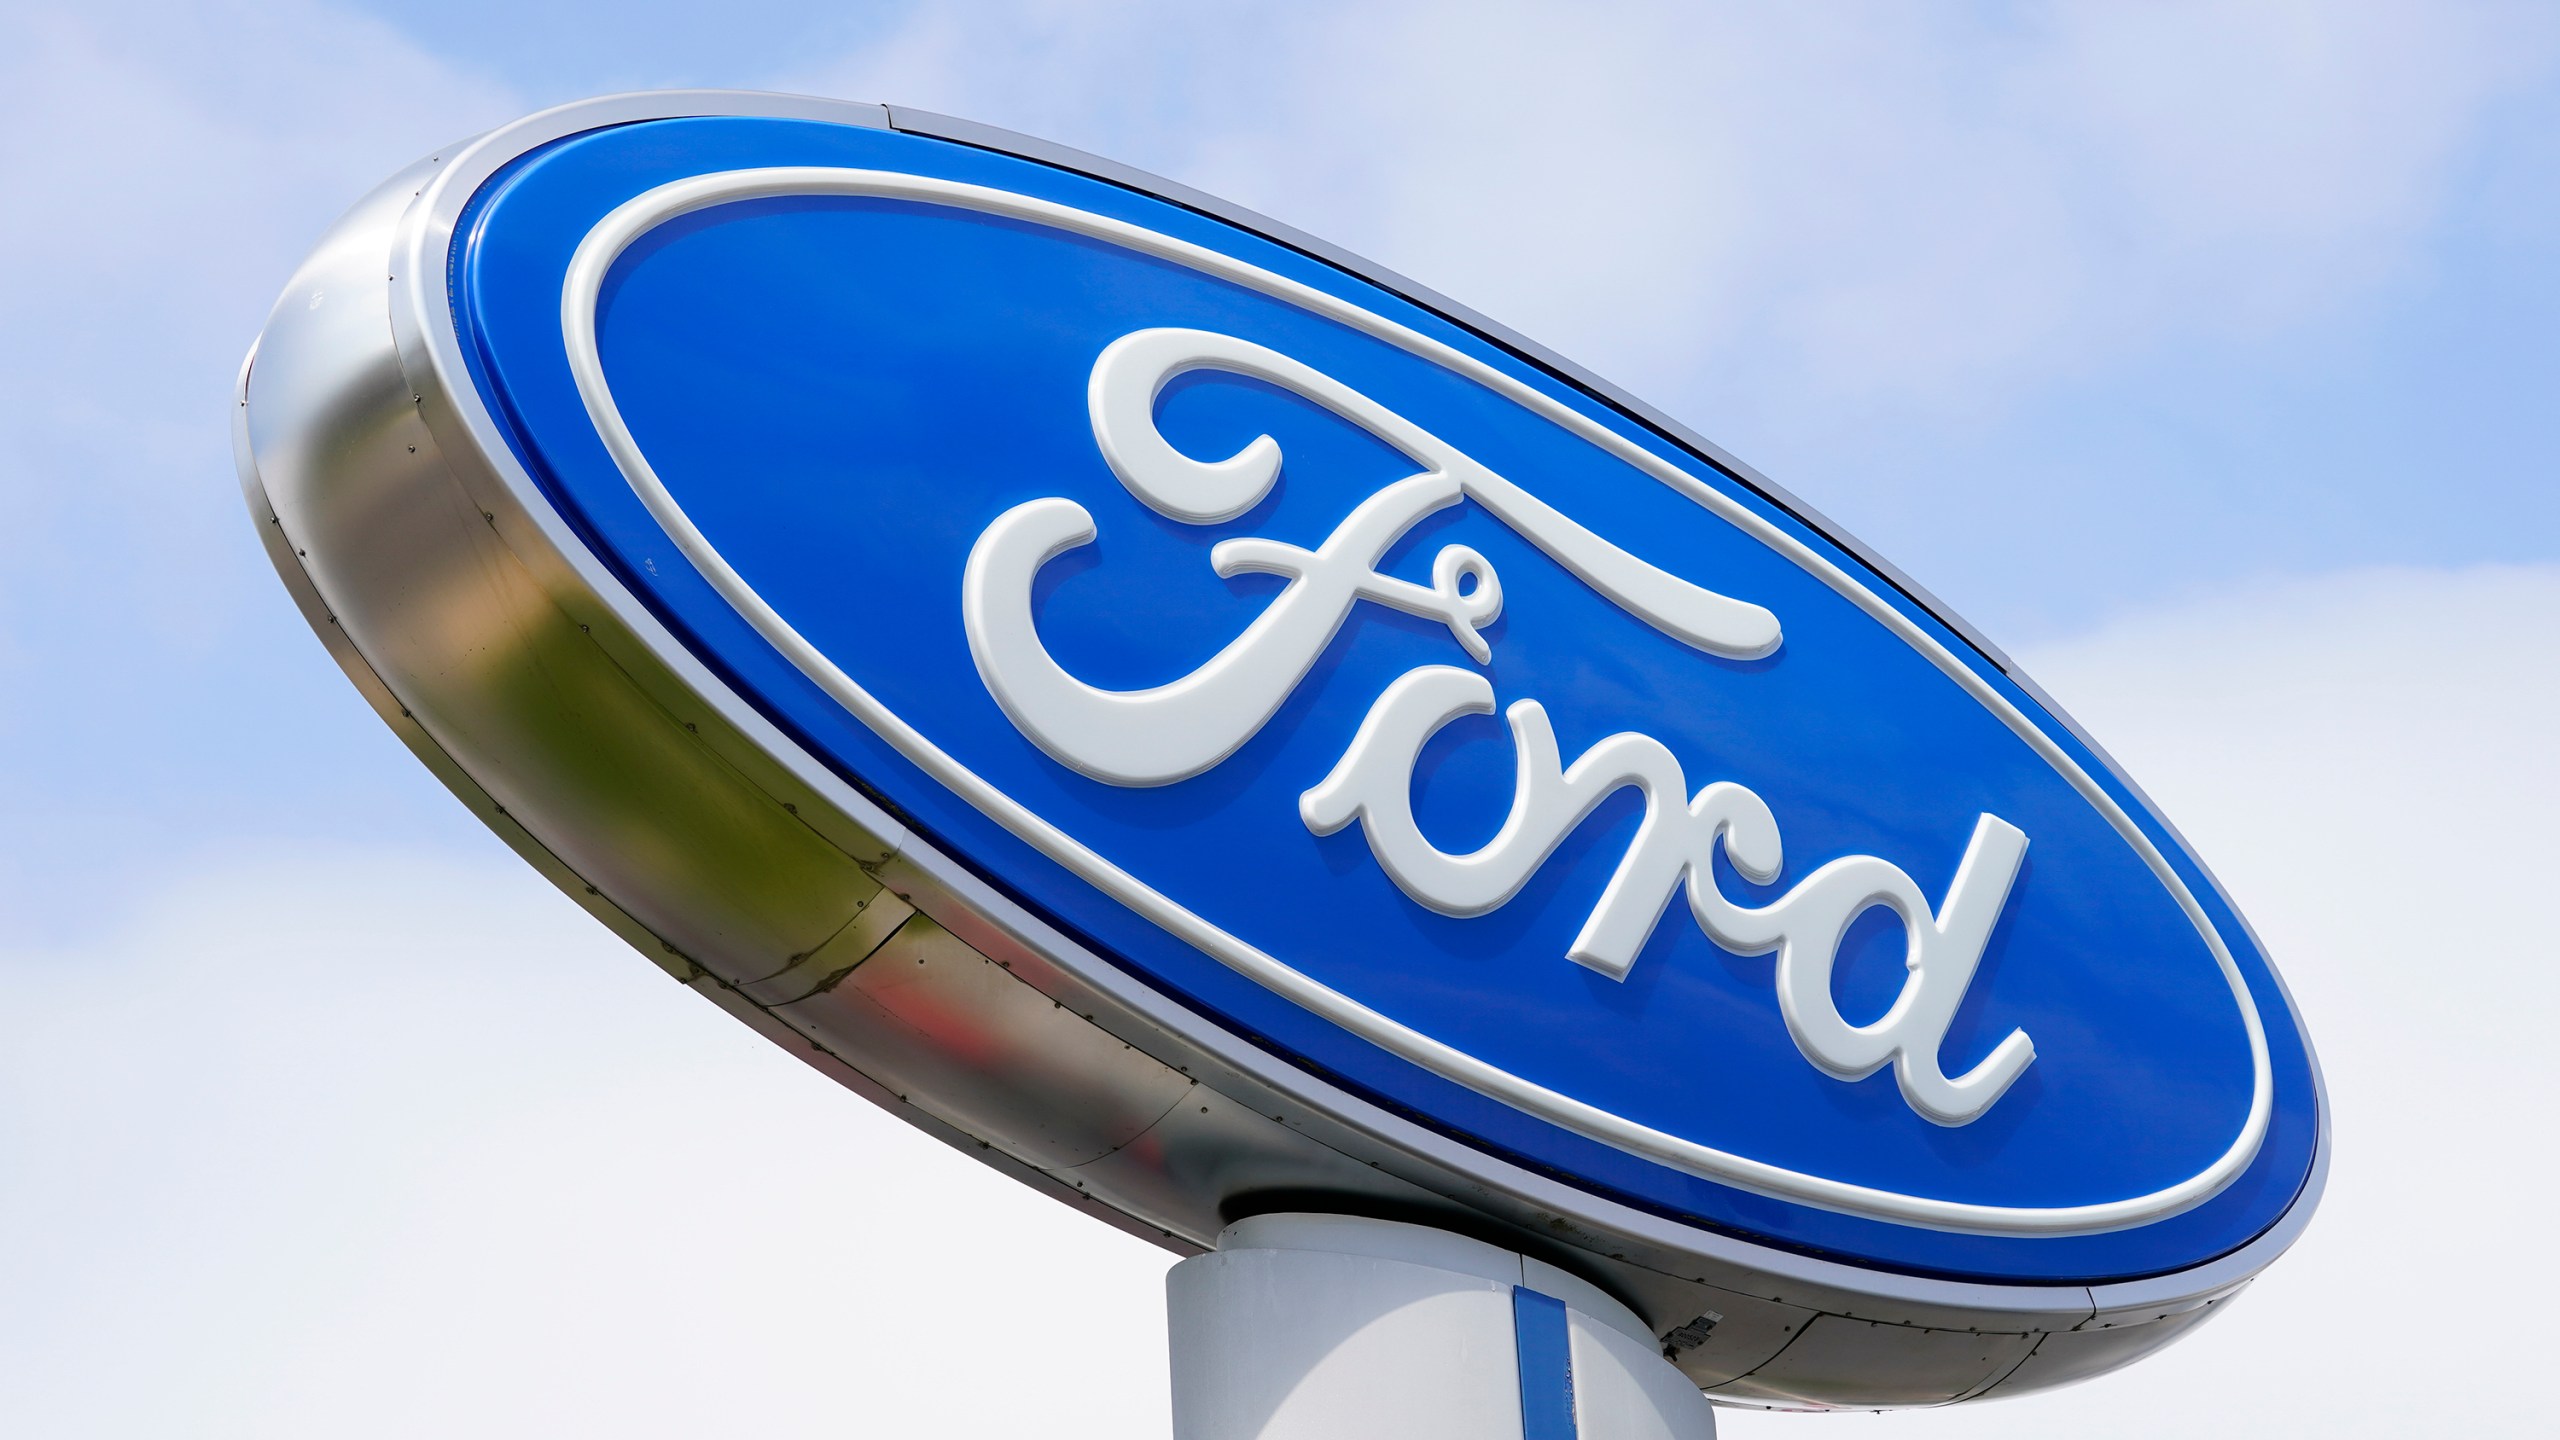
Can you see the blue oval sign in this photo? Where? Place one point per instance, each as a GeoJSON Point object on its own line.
{"type": "Point", "coordinates": [1388, 698]}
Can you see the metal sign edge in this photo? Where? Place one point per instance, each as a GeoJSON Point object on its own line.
{"type": "Point", "coordinates": [448, 406]}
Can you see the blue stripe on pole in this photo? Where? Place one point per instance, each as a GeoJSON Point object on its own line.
{"type": "Point", "coordinates": [1546, 1365]}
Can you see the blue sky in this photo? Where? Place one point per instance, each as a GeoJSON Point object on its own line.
{"type": "Point", "coordinates": [2202, 353]}
{"type": "Point", "coordinates": [2067, 314]}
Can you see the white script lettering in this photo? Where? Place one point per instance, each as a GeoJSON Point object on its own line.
{"type": "Point", "coordinates": [1174, 731]}
{"type": "Point", "coordinates": [1676, 842]}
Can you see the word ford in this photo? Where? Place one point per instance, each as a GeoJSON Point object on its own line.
{"type": "Point", "coordinates": [1171, 732]}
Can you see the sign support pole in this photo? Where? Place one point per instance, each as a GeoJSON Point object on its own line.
{"type": "Point", "coordinates": [1333, 1327]}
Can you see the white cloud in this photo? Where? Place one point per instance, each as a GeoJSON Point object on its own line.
{"type": "Point", "coordinates": [395, 1145]}
{"type": "Point", "coordinates": [1900, 204]}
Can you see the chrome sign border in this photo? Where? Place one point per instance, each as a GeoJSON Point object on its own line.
{"type": "Point", "coordinates": [1265, 1131]}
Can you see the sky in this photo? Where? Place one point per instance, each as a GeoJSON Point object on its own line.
{"type": "Point", "coordinates": [2201, 354]}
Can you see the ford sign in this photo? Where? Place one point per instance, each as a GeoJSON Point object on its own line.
{"type": "Point", "coordinates": [1210, 727]}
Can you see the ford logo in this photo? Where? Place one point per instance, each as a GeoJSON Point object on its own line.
{"type": "Point", "coordinates": [1365, 698]}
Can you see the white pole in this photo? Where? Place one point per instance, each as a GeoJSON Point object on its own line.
{"type": "Point", "coordinates": [1330, 1327]}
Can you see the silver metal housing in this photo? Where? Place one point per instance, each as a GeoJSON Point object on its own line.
{"type": "Point", "coordinates": [567, 719]}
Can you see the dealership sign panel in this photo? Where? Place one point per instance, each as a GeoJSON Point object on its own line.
{"type": "Point", "coordinates": [1210, 727]}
